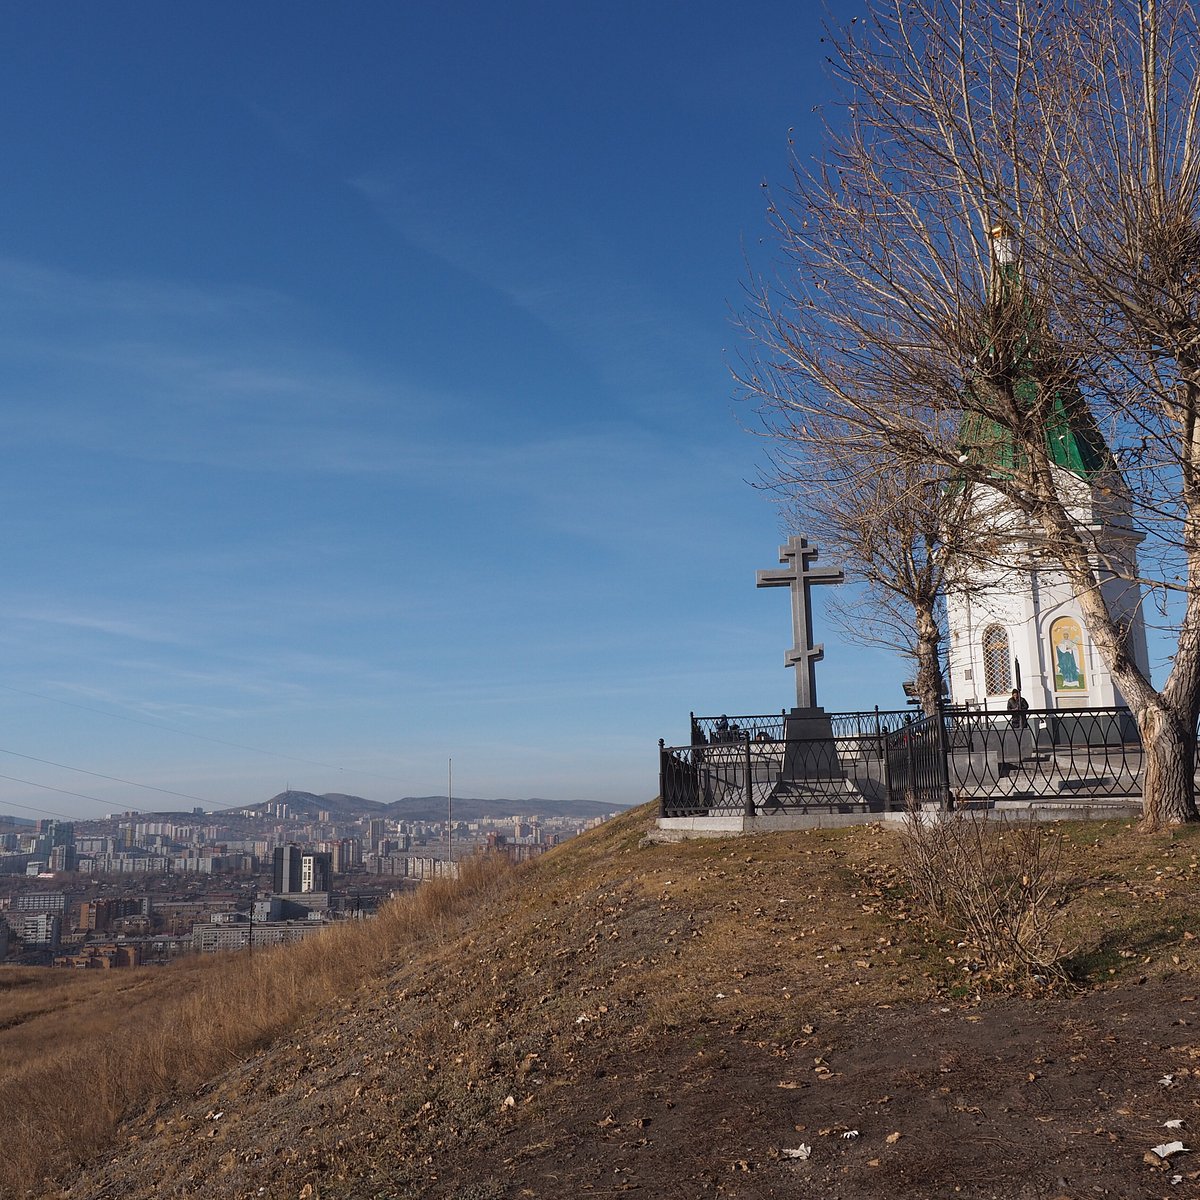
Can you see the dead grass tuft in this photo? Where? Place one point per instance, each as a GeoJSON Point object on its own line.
{"type": "Point", "coordinates": [996, 884]}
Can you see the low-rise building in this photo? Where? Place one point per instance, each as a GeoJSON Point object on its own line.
{"type": "Point", "coordinates": [104, 956]}
{"type": "Point", "coordinates": [211, 937]}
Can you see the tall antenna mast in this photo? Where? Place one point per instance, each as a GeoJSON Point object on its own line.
{"type": "Point", "coordinates": [449, 811]}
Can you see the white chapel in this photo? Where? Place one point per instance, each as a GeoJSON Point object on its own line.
{"type": "Point", "coordinates": [1019, 624]}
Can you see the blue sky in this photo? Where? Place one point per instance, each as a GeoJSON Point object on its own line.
{"type": "Point", "coordinates": [366, 394]}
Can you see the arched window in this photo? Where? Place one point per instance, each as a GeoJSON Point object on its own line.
{"type": "Point", "coordinates": [997, 662]}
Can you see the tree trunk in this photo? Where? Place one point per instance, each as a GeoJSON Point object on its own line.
{"type": "Point", "coordinates": [1166, 720]}
{"type": "Point", "coordinates": [929, 658]}
{"type": "Point", "coordinates": [1168, 768]}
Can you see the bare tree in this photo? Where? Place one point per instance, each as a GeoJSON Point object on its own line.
{"type": "Point", "coordinates": [1071, 131]}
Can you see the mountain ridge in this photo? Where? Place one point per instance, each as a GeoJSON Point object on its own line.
{"type": "Point", "coordinates": [433, 808]}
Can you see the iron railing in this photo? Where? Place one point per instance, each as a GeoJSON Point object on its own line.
{"type": "Point", "coordinates": [882, 760]}
{"type": "Point", "coordinates": [708, 731]}
{"type": "Point", "coordinates": [916, 762]}
{"type": "Point", "coordinates": [878, 722]}
{"type": "Point", "coordinates": [1045, 753]}
{"type": "Point", "coordinates": [773, 775]}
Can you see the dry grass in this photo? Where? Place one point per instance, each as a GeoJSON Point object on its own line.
{"type": "Point", "coordinates": [126, 1042]}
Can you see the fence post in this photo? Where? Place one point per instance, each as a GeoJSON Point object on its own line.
{"type": "Point", "coordinates": [943, 756]}
{"type": "Point", "coordinates": [910, 742]}
{"type": "Point", "coordinates": [662, 779]}
{"type": "Point", "coordinates": [749, 802]}
{"type": "Point", "coordinates": [887, 780]}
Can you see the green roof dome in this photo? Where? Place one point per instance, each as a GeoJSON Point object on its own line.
{"type": "Point", "coordinates": [1015, 360]}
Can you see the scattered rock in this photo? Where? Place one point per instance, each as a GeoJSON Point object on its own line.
{"type": "Point", "coordinates": [802, 1151]}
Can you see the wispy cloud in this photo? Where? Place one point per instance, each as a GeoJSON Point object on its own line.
{"type": "Point", "coordinates": [113, 627]}
{"type": "Point", "coordinates": [222, 377]}
{"type": "Point", "coordinates": [27, 284]}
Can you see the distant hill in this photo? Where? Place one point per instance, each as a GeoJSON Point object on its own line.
{"type": "Point", "coordinates": [343, 807]}
{"type": "Point", "coordinates": [339, 804]}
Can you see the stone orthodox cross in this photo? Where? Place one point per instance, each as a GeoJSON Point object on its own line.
{"type": "Point", "coordinates": [799, 574]}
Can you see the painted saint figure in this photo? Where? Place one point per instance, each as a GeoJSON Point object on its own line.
{"type": "Point", "coordinates": [1066, 640]}
{"type": "Point", "coordinates": [1068, 667]}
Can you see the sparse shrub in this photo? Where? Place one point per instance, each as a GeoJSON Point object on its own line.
{"type": "Point", "coordinates": [992, 882]}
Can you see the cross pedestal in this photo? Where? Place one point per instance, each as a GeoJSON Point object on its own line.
{"type": "Point", "coordinates": [810, 751]}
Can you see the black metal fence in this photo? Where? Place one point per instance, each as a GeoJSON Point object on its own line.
{"type": "Point", "coordinates": [884, 760]}
{"type": "Point", "coordinates": [1043, 753]}
{"type": "Point", "coordinates": [917, 766]}
{"type": "Point", "coordinates": [708, 731]}
{"type": "Point", "coordinates": [772, 775]}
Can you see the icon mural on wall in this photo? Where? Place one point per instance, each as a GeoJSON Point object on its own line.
{"type": "Point", "coordinates": [1066, 645]}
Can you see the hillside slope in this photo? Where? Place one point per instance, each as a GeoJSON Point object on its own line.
{"type": "Point", "coordinates": [669, 1019]}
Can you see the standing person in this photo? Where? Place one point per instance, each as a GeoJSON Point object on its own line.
{"type": "Point", "coordinates": [1018, 706]}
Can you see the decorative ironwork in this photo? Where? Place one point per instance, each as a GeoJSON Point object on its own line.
{"type": "Point", "coordinates": [1053, 753]}
{"type": "Point", "coordinates": [916, 759]}
{"type": "Point", "coordinates": [747, 776]}
{"type": "Point", "coordinates": [879, 761]}
{"type": "Point", "coordinates": [715, 730]}
{"type": "Point", "coordinates": [863, 724]}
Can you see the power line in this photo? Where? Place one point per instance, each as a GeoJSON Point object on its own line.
{"type": "Point", "coordinates": [47, 788]}
{"type": "Point", "coordinates": [111, 778]}
{"type": "Point", "coordinates": [46, 812]}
